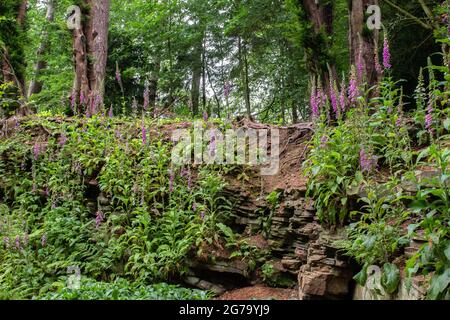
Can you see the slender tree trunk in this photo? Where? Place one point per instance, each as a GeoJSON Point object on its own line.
{"type": "Point", "coordinates": [363, 42]}
{"type": "Point", "coordinates": [153, 84]}
{"type": "Point", "coordinates": [294, 112]}
{"type": "Point", "coordinates": [283, 102]}
{"type": "Point", "coordinates": [213, 90]}
{"type": "Point", "coordinates": [196, 78]}
{"type": "Point", "coordinates": [242, 51]}
{"type": "Point", "coordinates": [204, 73]}
{"type": "Point", "coordinates": [81, 82]}
{"type": "Point", "coordinates": [35, 84]}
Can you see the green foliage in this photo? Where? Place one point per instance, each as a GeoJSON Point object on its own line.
{"type": "Point", "coordinates": [432, 204]}
{"type": "Point", "coordinates": [121, 289]}
{"type": "Point", "coordinates": [337, 172]}
{"type": "Point", "coordinates": [390, 278]}
{"type": "Point", "coordinates": [141, 226]}
{"type": "Point", "coordinates": [376, 237]}
{"type": "Point", "coordinates": [331, 165]}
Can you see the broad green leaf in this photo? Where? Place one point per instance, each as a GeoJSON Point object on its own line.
{"type": "Point", "coordinates": [361, 277]}
{"type": "Point", "coordinates": [438, 284]}
{"type": "Point", "coordinates": [390, 277]}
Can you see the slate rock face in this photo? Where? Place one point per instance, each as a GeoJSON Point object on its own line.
{"type": "Point", "coordinates": [299, 249]}
{"type": "Point", "coordinates": [298, 245]}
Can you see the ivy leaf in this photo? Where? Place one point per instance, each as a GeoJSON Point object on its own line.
{"type": "Point", "coordinates": [361, 277]}
{"type": "Point", "coordinates": [412, 227]}
{"type": "Point", "coordinates": [390, 278]}
{"type": "Point", "coordinates": [438, 284]}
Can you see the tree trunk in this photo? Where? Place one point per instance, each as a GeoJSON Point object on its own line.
{"type": "Point", "coordinates": [10, 72]}
{"type": "Point", "coordinates": [91, 40]}
{"type": "Point", "coordinates": [242, 51]}
{"type": "Point", "coordinates": [81, 88]}
{"type": "Point", "coordinates": [196, 78]}
{"type": "Point", "coordinates": [153, 84]}
{"type": "Point", "coordinates": [35, 84]}
{"type": "Point", "coordinates": [318, 42]}
{"type": "Point", "coordinates": [363, 43]}
{"type": "Point", "coordinates": [97, 48]}
{"type": "Point", "coordinates": [294, 113]}
{"type": "Point", "coordinates": [204, 74]}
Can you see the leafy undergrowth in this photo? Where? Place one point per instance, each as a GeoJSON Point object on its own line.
{"type": "Point", "coordinates": [100, 195]}
{"type": "Point", "coordinates": [121, 289]}
{"type": "Point", "coordinates": [385, 175]}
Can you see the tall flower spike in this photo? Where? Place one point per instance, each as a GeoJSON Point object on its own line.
{"type": "Point", "coordinates": [364, 161]}
{"type": "Point", "coordinates": [36, 150]}
{"type": "Point", "coordinates": [353, 87]}
{"type": "Point", "coordinates": [99, 217]}
{"type": "Point", "coordinates": [386, 54]}
{"type": "Point", "coordinates": [62, 140]}
{"type": "Point", "coordinates": [342, 96]}
{"type": "Point", "coordinates": [212, 145]}
{"type": "Point", "coordinates": [17, 241]}
{"type": "Point", "coordinates": [333, 97]}
{"type": "Point", "coordinates": [205, 116]}
{"type": "Point", "coordinates": [429, 117]}
{"type": "Point", "coordinates": [146, 98]}
{"type": "Point", "coordinates": [110, 112]}
{"type": "Point", "coordinates": [360, 66]}
{"type": "Point", "coordinates": [313, 102]}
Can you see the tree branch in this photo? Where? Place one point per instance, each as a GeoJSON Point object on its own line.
{"type": "Point", "coordinates": [428, 13]}
{"type": "Point", "coordinates": [409, 15]}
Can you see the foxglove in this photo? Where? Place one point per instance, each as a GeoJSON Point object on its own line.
{"type": "Point", "coordinates": [333, 98]}
{"type": "Point", "coordinates": [146, 98]}
{"type": "Point", "coordinates": [17, 241]}
{"type": "Point", "coordinates": [429, 117]}
{"type": "Point", "coordinates": [99, 217]}
{"type": "Point", "coordinates": [314, 103]}
{"type": "Point", "coordinates": [212, 145]}
{"type": "Point", "coordinates": [36, 150]}
{"type": "Point", "coordinates": [342, 97]}
{"type": "Point", "coordinates": [353, 87]}
{"type": "Point", "coordinates": [386, 54]}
